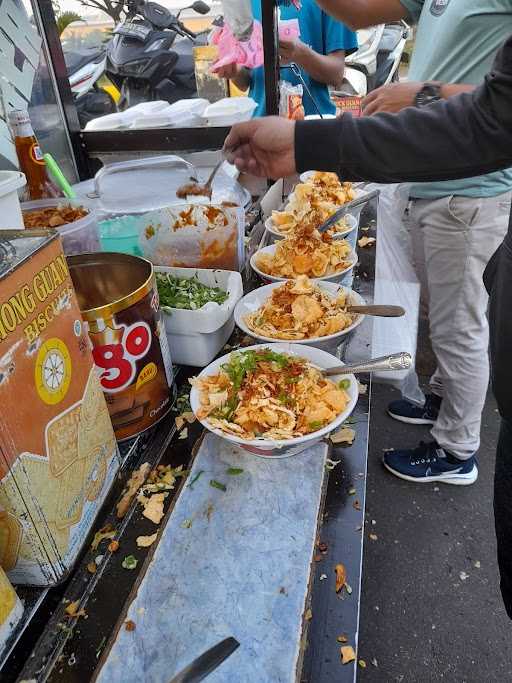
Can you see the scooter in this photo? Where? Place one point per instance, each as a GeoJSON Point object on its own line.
{"type": "Point", "coordinates": [377, 60]}
{"type": "Point", "coordinates": [85, 69]}
{"type": "Point", "coordinates": [150, 56]}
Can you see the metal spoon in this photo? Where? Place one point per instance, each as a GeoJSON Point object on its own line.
{"type": "Point", "coordinates": [396, 361]}
{"type": "Point", "coordinates": [330, 222]}
{"type": "Point", "coordinates": [378, 310]}
{"type": "Point", "coordinates": [196, 188]}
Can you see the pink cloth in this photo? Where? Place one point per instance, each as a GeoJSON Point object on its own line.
{"type": "Point", "coordinates": [248, 53]}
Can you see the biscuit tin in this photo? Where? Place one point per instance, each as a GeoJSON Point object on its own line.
{"type": "Point", "coordinates": [118, 298]}
{"type": "Point", "coordinates": [58, 453]}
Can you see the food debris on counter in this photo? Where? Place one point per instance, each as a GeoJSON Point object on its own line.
{"type": "Point", "coordinates": [137, 478]}
{"type": "Point", "coordinates": [129, 625]}
{"type": "Point", "coordinates": [145, 541]}
{"type": "Point", "coordinates": [113, 546]}
{"type": "Point", "coordinates": [107, 531]}
{"type": "Point", "coordinates": [129, 562]}
{"type": "Point", "coordinates": [153, 506]}
{"type": "Point", "coordinates": [218, 485]}
{"type": "Point", "coordinates": [186, 417]}
{"type": "Point", "coordinates": [342, 638]}
{"type": "Point", "coordinates": [347, 654]}
{"type": "Point", "coordinates": [190, 485]}
{"type": "Point", "coordinates": [362, 388]}
{"type": "Point", "coordinates": [366, 242]}
{"type": "Point", "coordinates": [341, 577]}
{"type": "Point", "coordinates": [72, 610]}
{"type": "Point", "coordinates": [308, 615]}
{"type": "Point", "coordinates": [183, 433]}
{"type": "Point", "coordinates": [344, 435]}
{"type": "Point", "coordinates": [234, 471]}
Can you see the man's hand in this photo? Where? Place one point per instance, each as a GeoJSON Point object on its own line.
{"type": "Point", "coordinates": [291, 51]}
{"type": "Point", "coordinates": [229, 71]}
{"type": "Point", "coordinates": [263, 147]}
{"type": "Point", "coordinates": [390, 98]}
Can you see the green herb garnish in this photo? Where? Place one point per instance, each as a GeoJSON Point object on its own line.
{"type": "Point", "coordinates": [344, 384]}
{"type": "Point", "coordinates": [218, 485]}
{"type": "Point", "coordinates": [187, 293]}
{"type": "Point", "coordinates": [129, 562]}
{"type": "Point", "coordinates": [316, 424]}
{"type": "Point", "coordinates": [191, 485]}
{"type": "Point", "coordinates": [233, 471]}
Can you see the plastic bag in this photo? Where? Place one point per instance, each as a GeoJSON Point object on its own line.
{"type": "Point", "coordinates": [290, 101]}
{"type": "Point", "coordinates": [396, 283]}
{"type": "Point", "coordinates": [248, 52]}
{"type": "Point", "coordinates": [238, 17]}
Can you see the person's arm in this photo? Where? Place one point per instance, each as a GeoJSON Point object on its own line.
{"type": "Point", "coordinates": [239, 75]}
{"type": "Point", "coordinates": [326, 69]}
{"type": "Point", "coordinates": [358, 14]}
{"type": "Point", "coordinates": [463, 136]}
{"type": "Point", "coordinates": [396, 96]}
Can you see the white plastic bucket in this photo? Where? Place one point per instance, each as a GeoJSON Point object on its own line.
{"type": "Point", "coordinates": [10, 210]}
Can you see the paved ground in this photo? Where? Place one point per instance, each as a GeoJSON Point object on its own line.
{"type": "Point", "coordinates": [431, 607]}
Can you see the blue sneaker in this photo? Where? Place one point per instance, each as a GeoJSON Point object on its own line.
{"type": "Point", "coordinates": [429, 462]}
{"type": "Point", "coordinates": [411, 413]}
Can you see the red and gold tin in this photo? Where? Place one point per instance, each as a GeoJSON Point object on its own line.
{"type": "Point", "coordinates": [118, 298]}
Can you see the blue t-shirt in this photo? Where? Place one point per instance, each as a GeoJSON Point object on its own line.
{"type": "Point", "coordinates": [323, 35]}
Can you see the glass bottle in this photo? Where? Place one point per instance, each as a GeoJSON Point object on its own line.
{"type": "Point", "coordinates": [30, 158]}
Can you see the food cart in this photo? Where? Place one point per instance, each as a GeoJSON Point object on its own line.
{"type": "Point", "coordinates": [269, 553]}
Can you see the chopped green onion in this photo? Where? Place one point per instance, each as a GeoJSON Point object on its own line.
{"type": "Point", "coordinates": [191, 485]}
{"type": "Point", "coordinates": [344, 384]}
{"type": "Point", "coordinates": [234, 470]}
{"type": "Point", "coordinates": [186, 293]}
{"type": "Point", "coordinates": [129, 562]}
{"type": "Point", "coordinates": [317, 424]}
{"type": "Point", "coordinates": [217, 485]}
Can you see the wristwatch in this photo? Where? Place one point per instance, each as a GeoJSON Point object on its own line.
{"type": "Point", "coordinates": [430, 92]}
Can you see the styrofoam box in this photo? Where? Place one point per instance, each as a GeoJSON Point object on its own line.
{"type": "Point", "coordinates": [196, 337]}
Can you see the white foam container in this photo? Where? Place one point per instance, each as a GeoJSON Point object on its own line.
{"type": "Point", "coordinates": [228, 111]}
{"type": "Point", "coordinates": [196, 337]}
{"type": "Point", "coordinates": [10, 210]}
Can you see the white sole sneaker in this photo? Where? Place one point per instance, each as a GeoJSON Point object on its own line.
{"type": "Point", "coordinates": [411, 420]}
{"type": "Point", "coordinates": [448, 478]}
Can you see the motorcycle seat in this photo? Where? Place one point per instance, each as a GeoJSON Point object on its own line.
{"type": "Point", "coordinates": [76, 60]}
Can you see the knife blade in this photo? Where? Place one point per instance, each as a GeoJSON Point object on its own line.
{"type": "Point", "coordinates": [203, 665]}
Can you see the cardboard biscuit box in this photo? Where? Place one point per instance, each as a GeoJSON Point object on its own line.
{"type": "Point", "coordinates": [11, 609]}
{"type": "Point", "coordinates": [58, 453]}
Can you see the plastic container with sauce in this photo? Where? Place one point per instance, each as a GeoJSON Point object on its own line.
{"type": "Point", "coordinates": [77, 237]}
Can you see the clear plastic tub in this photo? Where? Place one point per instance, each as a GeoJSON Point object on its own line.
{"type": "Point", "coordinates": [77, 237]}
